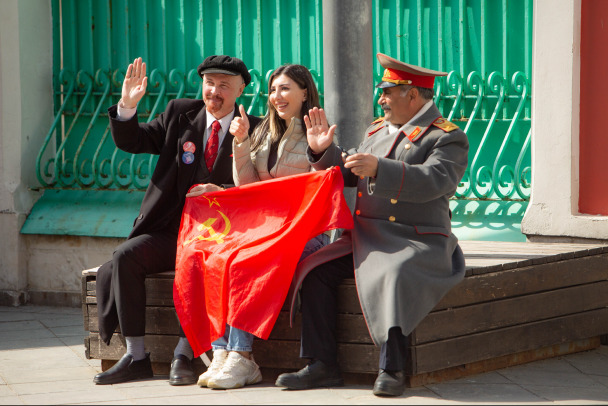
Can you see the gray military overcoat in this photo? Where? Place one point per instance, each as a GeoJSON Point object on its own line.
{"type": "Point", "coordinates": [405, 255]}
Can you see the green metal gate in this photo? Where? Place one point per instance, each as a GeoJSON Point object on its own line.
{"type": "Point", "coordinates": [484, 44]}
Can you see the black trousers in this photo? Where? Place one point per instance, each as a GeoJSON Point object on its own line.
{"type": "Point", "coordinates": [319, 312]}
{"type": "Point", "coordinates": [121, 293]}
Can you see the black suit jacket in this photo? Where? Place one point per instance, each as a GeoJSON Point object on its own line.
{"type": "Point", "coordinates": [183, 120]}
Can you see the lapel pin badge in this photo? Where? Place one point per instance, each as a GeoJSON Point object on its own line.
{"type": "Point", "coordinates": [189, 147]}
{"type": "Point", "coordinates": [188, 157]}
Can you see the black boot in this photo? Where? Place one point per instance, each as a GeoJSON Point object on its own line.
{"type": "Point", "coordinates": [389, 383]}
{"type": "Point", "coordinates": [181, 372]}
{"type": "Point", "coordinates": [314, 375]}
{"type": "Point", "coordinates": [126, 370]}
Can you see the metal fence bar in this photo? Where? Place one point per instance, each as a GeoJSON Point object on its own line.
{"type": "Point", "coordinates": [43, 173]}
{"type": "Point", "coordinates": [84, 179]}
{"type": "Point", "coordinates": [500, 170]}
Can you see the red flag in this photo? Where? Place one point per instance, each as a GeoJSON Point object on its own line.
{"type": "Point", "coordinates": [238, 249]}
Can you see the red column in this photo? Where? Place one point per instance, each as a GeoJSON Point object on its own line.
{"type": "Point", "coordinates": [593, 192]}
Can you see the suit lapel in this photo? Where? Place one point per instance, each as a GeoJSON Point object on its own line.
{"type": "Point", "coordinates": [225, 151]}
{"type": "Point", "coordinates": [223, 162]}
{"type": "Point", "coordinates": [192, 127]}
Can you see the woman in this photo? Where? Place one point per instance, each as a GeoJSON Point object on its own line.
{"type": "Point", "coordinates": [276, 148]}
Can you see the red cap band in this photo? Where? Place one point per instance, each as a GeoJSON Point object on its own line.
{"type": "Point", "coordinates": [400, 77]}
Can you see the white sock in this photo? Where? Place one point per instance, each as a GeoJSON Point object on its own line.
{"type": "Point", "coordinates": [135, 347]}
{"type": "Point", "coordinates": [183, 348]}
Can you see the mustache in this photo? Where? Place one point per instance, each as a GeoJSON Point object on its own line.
{"type": "Point", "coordinates": [385, 107]}
{"type": "Point", "coordinates": [218, 98]}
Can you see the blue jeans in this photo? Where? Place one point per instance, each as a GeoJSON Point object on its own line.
{"type": "Point", "coordinates": [239, 340]}
{"type": "Point", "coordinates": [233, 340]}
{"type": "Point", "coordinates": [314, 245]}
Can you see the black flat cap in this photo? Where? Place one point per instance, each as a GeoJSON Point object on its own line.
{"type": "Point", "coordinates": [224, 64]}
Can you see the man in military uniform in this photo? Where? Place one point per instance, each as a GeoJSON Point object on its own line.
{"type": "Point", "coordinates": [403, 253]}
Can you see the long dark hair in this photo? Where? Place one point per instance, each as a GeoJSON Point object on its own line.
{"type": "Point", "coordinates": [272, 122]}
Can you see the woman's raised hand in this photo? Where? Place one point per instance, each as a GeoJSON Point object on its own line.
{"type": "Point", "coordinates": [134, 85]}
{"type": "Point", "coordinates": [320, 135]}
{"type": "Point", "coordinates": [239, 127]}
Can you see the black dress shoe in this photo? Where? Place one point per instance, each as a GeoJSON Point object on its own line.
{"type": "Point", "coordinates": [314, 375]}
{"type": "Point", "coordinates": [389, 383]}
{"type": "Point", "coordinates": [181, 371]}
{"type": "Point", "coordinates": [126, 370]}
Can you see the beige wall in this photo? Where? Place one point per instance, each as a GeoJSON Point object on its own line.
{"type": "Point", "coordinates": [30, 265]}
{"type": "Point", "coordinates": [55, 264]}
{"type": "Point", "coordinates": [25, 110]}
{"type": "Point", "coordinates": [553, 210]}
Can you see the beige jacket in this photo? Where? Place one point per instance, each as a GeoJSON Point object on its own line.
{"type": "Point", "coordinates": [249, 167]}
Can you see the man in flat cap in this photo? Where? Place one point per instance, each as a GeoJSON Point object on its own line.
{"type": "Point", "coordinates": [194, 146]}
{"type": "Point", "coordinates": [401, 251]}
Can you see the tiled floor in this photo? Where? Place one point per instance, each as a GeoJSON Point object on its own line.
{"type": "Point", "coordinates": [42, 362]}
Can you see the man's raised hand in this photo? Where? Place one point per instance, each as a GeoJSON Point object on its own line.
{"type": "Point", "coordinates": [134, 85]}
{"type": "Point", "coordinates": [239, 127]}
{"type": "Point", "coordinates": [318, 132]}
{"type": "Point", "coordinates": [203, 188]}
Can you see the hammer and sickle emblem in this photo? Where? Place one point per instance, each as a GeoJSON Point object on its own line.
{"type": "Point", "coordinates": [213, 235]}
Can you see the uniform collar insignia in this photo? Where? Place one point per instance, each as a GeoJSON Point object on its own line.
{"type": "Point", "coordinates": [380, 125]}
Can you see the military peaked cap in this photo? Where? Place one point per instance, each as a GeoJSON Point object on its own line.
{"type": "Point", "coordinates": [400, 73]}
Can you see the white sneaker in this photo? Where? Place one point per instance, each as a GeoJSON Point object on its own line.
{"type": "Point", "coordinates": [219, 358]}
{"type": "Point", "coordinates": [237, 371]}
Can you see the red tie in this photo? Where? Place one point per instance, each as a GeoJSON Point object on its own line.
{"type": "Point", "coordinates": [212, 145]}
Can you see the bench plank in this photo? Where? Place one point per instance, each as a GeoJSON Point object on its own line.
{"type": "Point", "coordinates": [491, 344]}
{"type": "Point", "coordinates": [163, 321]}
{"type": "Point", "coordinates": [530, 279]}
{"type": "Point", "coordinates": [487, 316]}
{"type": "Point", "coordinates": [159, 320]}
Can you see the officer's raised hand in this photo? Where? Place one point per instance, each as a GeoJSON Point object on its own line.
{"type": "Point", "coordinates": [134, 85]}
{"type": "Point", "coordinates": [318, 132]}
{"type": "Point", "coordinates": [239, 127]}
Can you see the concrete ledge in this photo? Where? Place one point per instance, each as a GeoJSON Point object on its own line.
{"type": "Point", "coordinates": [13, 298]}
{"type": "Point", "coordinates": [565, 240]}
{"type": "Point", "coordinates": [63, 299]}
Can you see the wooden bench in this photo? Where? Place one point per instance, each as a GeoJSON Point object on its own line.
{"type": "Point", "coordinates": [519, 302]}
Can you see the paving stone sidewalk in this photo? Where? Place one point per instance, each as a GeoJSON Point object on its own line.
{"type": "Point", "coordinates": [42, 362]}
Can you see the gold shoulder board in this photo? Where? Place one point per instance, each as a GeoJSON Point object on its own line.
{"type": "Point", "coordinates": [380, 123]}
{"type": "Point", "coordinates": [445, 125]}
